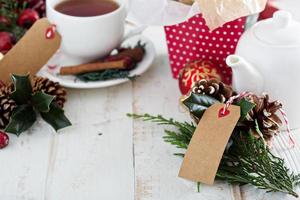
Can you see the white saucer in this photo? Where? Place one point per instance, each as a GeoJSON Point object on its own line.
{"type": "Point", "coordinates": [73, 82]}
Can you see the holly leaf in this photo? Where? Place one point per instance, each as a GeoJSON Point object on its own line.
{"type": "Point", "coordinates": [56, 117]}
{"type": "Point", "coordinates": [42, 101]}
{"type": "Point", "coordinates": [22, 119]}
{"type": "Point", "coordinates": [246, 106]}
{"type": "Point", "coordinates": [198, 103]}
{"type": "Point", "coordinates": [23, 89]}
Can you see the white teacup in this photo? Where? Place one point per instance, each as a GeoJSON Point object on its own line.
{"type": "Point", "coordinates": [85, 39]}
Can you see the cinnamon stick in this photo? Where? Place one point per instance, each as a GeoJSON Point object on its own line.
{"type": "Point", "coordinates": [92, 67]}
{"type": "Point", "coordinates": [137, 54]}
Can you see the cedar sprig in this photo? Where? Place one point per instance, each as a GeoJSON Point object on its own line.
{"type": "Point", "coordinates": [250, 161]}
{"type": "Point", "coordinates": [104, 75]}
{"type": "Point", "coordinates": [180, 138]}
{"type": "Point", "coordinates": [247, 161]}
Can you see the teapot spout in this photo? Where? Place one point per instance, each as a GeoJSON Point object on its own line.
{"type": "Point", "coordinates": [245, 76]}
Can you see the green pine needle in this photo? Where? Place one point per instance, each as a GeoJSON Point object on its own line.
{"type": "Point", "coordinates": [198, 187]}
{"type": "Point", "coordinates": [248, 160]}
{"type": "Point", "coordinates": [104, 75]}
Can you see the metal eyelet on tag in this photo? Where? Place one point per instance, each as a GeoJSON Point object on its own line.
{"type": "Point", "coordinates": [50, 32]}
{"type": "Point", "coordinates": [223, 113]}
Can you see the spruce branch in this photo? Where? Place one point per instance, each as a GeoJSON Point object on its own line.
{"type": "Point", "coordinates": [248, 160]}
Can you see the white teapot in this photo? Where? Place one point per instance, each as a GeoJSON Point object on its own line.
{"type": "Point", "coordinates": [268, 60]}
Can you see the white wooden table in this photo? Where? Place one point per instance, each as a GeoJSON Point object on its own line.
{"type": "Point", "coordinates": [107, 156]}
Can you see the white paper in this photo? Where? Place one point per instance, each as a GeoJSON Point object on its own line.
{"type": "Point", "coordinates": [160, 12]}
{"type": "Point", "coordinates": [219, 12]}
{"type": "Point", "coordinates": [169, 12]}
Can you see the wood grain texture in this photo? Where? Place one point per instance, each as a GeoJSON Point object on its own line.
{"type": "Point", "coordinates": [93, 159]}
{"type": "Point", "coordinates": [107, 156]}
{"type": "Point", "coordinates": [24, 164]}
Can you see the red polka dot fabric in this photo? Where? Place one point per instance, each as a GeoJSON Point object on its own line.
{"type": "Point", "coordinates": [192, 40]}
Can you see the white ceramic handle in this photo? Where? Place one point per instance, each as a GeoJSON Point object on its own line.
{"type": "Point", "coordinates": [282, 19]}
{"type": "Point", "coordinates": [136, 31]}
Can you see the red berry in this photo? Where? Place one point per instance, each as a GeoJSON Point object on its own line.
{"type": "Point", "coordinates": [6, 42]}
{"type": "Point", "coordinates": [4, 140]}
{"type": "Point", "coordinates": [27, 18]}
{"type": "Point", "coordinates": [37, 5]}
{"type": "Point", "coordinates": [40, 7]}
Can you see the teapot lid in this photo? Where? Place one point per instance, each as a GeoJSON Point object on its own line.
{"type": "Point", "coordinates": [279, 30]}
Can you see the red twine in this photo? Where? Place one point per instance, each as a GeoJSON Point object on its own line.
{"type": "Point", "coordinates": [2, 84]}
{"type": "Point", "coordinates": [286, 120]}
{"type": "Point", "coordinates": [282, 112]}
{"type": "Point", "coordinates": [231, 100]}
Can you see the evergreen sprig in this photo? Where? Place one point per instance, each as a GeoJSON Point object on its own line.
{"type": "Point", "coordinates": [247, 161]}
{"type": "Point", "coordinates": [180, 139]}
{"type": "Point", "coordinates": [104, 75]}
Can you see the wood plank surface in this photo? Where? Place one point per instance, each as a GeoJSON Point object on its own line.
{"type": "Point", "coordinates": [91, 160]}
{"type": "Point", "coordinates": [94, 159]}
{"type": "Point", "coordinates": [107, 156]}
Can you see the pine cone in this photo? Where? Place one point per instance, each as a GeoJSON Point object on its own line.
{"type": "Point", "coordinates": [213, 88]}
{"type": "Point", "coordinates": [265, 114]}
{"type": "Point", "coordinates": [7, 105]}
{"type": "Point", "coordinates": [51, 88]}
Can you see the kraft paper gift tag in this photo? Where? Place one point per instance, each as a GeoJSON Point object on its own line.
{"type": "Point", "coordinates": [31, 53]}
{"type": "Point", "coordinates": [208, 143]}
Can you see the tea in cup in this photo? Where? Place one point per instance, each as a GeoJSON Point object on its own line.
{"type": "Point", "coordinates": [90, 29]}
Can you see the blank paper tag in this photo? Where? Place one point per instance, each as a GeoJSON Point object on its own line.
{"type": "Point", "coordinates": [208, 143]}
{"type": "Point", "coordinates": [31, 53]}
